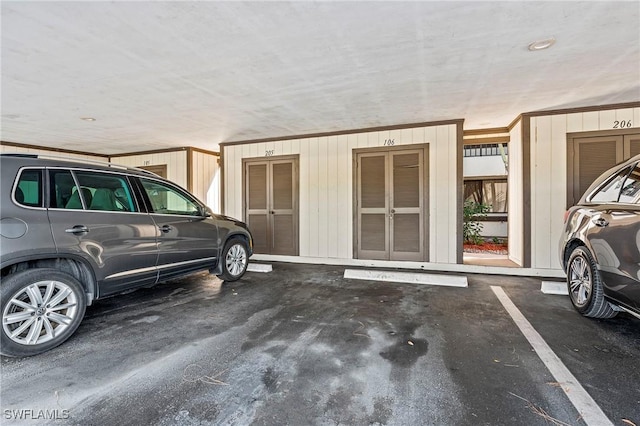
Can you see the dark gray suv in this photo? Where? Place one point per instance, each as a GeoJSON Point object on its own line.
{"type": "Point", "coordinates": [600, 244]}
{"type": "Point", "coordinates": [73, 232]}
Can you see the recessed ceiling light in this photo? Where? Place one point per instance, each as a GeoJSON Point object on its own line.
{"type": "Point", "coordinates": [542, 44]}
{"type": "Point", "coordinates": [87, 118]}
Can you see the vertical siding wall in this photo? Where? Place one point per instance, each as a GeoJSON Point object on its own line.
{"type": "Point", "coordinates": [205, 179]}
{"type": "Point", "coordinates": [326, 186]}
{"type": "Point", "coordinates": [549, 174]}
{"type": "Point", "coordinates": [20, 150]}
{"type": "Point", "coordinates": [515, 198]}
{"type": "Point", "coordinates": [176, 162]}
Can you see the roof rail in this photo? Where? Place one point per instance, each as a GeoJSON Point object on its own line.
{"type": "Point", "coordinates": [77, 160]}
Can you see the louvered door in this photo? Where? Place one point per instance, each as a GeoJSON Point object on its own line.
{"type": "Point", "coordinates": [271, 188]}
{"type": "Point", "coordinates": [391, 205]}
{"type": "Point", "coordinates": [593, 156]}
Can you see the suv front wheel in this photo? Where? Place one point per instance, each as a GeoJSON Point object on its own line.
{"type": "Point", "coordinates": [41, 308]}
{"type": "Point", "coordinates": [235, 259]}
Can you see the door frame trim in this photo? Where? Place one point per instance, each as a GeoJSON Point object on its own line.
{"type": "Point", "coordinates": [354, 180]}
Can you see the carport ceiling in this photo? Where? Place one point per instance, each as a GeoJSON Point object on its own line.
{"type": "Point", "coordinates": [166, 74]}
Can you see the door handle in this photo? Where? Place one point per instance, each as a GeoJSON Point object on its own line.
{"type": "Point", "coordinates": [601, 222]}
{"type": "Point", "coordinates": [165, 228]}
{"type": "Point", "coordinates": [78, 229]}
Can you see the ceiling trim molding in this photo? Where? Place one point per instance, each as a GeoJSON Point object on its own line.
{"type": "Point", "coordinates": [487, 140]}
{"type": "Point", "coordinates": [479, 132]}
{"type": "Point", "coordinates": [46, 148]}
{"type": "Point", "coordinates": [152, 151]}
{"type": "Point", "coordinates": [514, 122]}
{"type": "Point", "coordinates": [346, 132]}
{"type": "Point", "coordinates": [164, 150]}
{"type": "Point", "coordinates": [582, 109]}
{"type": "Point", "coordinates": [204, 151]}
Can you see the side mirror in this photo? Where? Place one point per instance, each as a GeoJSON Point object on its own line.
{"type": "Point", "coordinates": [205, 211]}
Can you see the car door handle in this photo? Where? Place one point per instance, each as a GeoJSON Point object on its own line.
{"type": "Point", "coordinates": [166, 228]}
{"type": "Point", "coordinates": [600, 222]}
{"type": "Point", "coordinates": [78, 229]}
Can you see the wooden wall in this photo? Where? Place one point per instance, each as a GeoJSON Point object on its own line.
{"type": "Point", "coordinates": [549, 173]}
{"type": "Point", "coordinates": [326, 186]}
{"type": "Point", "coordinates": [205, 179]}
{"type": "Point", "coordinates": [176, 162]}
{"type": "Point", "coordinates": [515, 198]}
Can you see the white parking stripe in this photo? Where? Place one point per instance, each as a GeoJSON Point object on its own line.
{"type": "Point", "coordinates": [590, 411]}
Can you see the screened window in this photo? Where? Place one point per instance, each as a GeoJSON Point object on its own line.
{"type": "Point", "coordinates": [168, 200]}
{"type": "Point", "coordinates": [28, 192]}
{"type": "Point", "coordinates": [491, 192]}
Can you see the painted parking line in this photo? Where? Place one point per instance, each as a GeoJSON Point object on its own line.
{"type": "Point", "coordinates": [590, 412]}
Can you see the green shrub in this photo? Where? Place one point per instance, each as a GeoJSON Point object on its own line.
{"type": "Point", "coordinates": [473, 213]}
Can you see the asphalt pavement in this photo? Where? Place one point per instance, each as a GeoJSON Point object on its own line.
{"type": "Point", "coordinates": [303, 346]}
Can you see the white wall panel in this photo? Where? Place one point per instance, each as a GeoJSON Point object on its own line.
{"type": "Point", "coordinates": [314, 197]}
{"type": "Point", "coordinates": [626, 115]}
{"type": "Point", "coordinates": [541, 154]}
{"type": "Point", "coordinates": [232, 189]}
{"type": "Point", "coordinates": [176, 162]}
{"type": "Point", "coordinates": [343, 216]}
{"type": "Point", "coordinates": [606, 117]}
{"type": "Point", "coordinates": [574, 122]}
{"type": "Point", "coordinates": [590, 121]}
{"type": "Point", "coordinates": [323, 197]}
{"type": "Point", "coordinates": [204, 179]}
{"type": "Point", "coordinates": [304, 197]}
{"type": "Point", "coordinates": [326, 186]}
{"type": "Point", "coordinates": [332, 197]}
{"type": "Point", "coordinates": [549, 175]}
{"type": "Point", "coordinates": [516, 196]}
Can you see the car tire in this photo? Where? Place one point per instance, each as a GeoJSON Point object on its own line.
{"type": "Point", "coordinates": [585, 286]}
{"type": "Point", "coordinates": [41, 308]}
{"type": "Point", "coordinates": [235, 259]}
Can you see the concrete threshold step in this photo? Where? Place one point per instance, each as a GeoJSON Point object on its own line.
{"type": "Point", "coordinates": [554, 287]}
{"type": "Point", "coordinates": [259, 267]}
{"type": "Point", "coordinates": [406, 277]}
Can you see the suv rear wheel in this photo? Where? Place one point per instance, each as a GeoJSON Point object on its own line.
{"type": "Point", "coordinates": [41, 308]}
{"type": "Point", "coordinates": [234, 260]}
{"type": "Point", "coordinates": [585, 285]}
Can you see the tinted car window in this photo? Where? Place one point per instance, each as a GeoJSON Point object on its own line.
{"type": "Point", "coordinates": [28, 192]}
{"type": "Point", "coordinates": [61, 186]}
{"type": "Point", "coordinates": [610, 191]}
{"type": "Point", "coordinates": [101, 191]}
{"type": "Point", "coordinates": [167, 200]}
{"type": "Point", "coordinates": [630, 192]}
